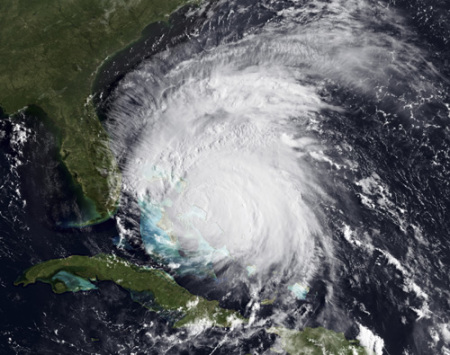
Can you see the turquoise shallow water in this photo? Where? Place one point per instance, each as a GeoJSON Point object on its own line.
{"type": "Point", "coordinates": [156, 240]}
{"type": "Point", "coordinates": [168, 248]}
{"type": "Point", "coordinates": [74, 283]}
{"type": "Point", "coordinates": [299, 291]}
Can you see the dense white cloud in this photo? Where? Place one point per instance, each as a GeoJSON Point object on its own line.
{"type": "Point", "coordinates": [216, 141]}
{"type": "Point", "coordinates": [222, 161]}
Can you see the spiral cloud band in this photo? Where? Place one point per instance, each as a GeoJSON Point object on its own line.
{"type": "Point", "coordinates": [220, 138]}
{"type": "Point", "coordinates": [219, 169]}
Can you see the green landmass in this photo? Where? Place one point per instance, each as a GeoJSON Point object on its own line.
{"type": "Point", "coordinates": [317, 341]}
{"type": "Point", "coordinates": [157, 285]}
{"type": "Point", "coordinates": [267, 302]}
{"type": "Point", "coordinates": [51, 50]}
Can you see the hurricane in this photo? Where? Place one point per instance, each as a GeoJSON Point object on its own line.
{"type": "Point", "coordinates": [230, 149]}
{"type": "Point", "coordinates": [219, 166]}
{"type": "Point", "coordinates": [222, 138]}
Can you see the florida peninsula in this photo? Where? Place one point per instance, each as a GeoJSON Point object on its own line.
{"type": "Point", "coordinates": [51, 52]}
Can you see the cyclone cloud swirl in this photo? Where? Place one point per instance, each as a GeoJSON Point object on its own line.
{"type": "Point", "coordinates": [219, 164]}
{"type": "Point", "coordinates": [222, 148]}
